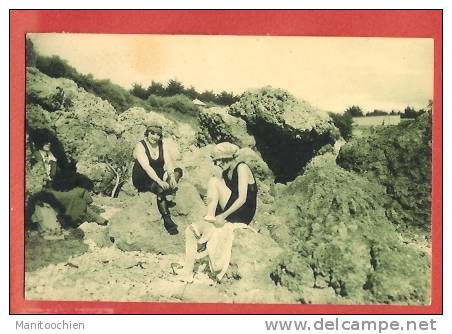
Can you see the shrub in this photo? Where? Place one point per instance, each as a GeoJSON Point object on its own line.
{"type": "Point", "coordinates": [179, 103]}
{"type": "Point", "coordinates": [398, 157]}
{"type": "Point", "coordinates": [344, 123]}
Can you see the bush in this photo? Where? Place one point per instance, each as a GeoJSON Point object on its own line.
{"type": "Point", "coordinates": [343, 123]}
{"type": "Point", "coordinates": [354, 111]}
{"type": "Point", "coordinates": [324, 219]}
{"type": "Point", "coordinates": [179, 103]}
{"type": "Point", "coordinates": [398, 157]}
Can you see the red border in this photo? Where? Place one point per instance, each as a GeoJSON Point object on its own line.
{"type": "Point", "coordinates": [384, 23]}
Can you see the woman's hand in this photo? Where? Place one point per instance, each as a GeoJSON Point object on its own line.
{"type": "Point", "coordinates": [172, 182]}
{"type": "Point", "coordinates": [164, 185]}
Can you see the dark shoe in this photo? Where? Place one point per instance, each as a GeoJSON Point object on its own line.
{"type": "Point", "coordinates": [170, 226]}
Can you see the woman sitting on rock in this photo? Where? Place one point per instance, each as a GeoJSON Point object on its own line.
{"type": "Point", "coordinates": [73, 205]}
{"type": "Point", "coordinates": [230, 198]}
{"type": "Point", "coordinates": [153, 171]}
{"type": "Point", "coordinates": [233, 196]}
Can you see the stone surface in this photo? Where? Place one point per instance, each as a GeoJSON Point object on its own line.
{"type": "Point", "coordinates": [139, 225]}
{"type": "Point", "coordinates": [327, 217]}
{"type": "Point", "coordinates": [217, 126]}
{"type": "Point", "coordinates": [399, 158]}
{"type": "Point", "coordinates": [288, 132]}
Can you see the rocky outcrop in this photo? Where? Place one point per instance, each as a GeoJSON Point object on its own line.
{"type": "Point", "coordinates": [138, 226]}
{"type": "Point", "coordinates": [217, 126]}
{"type": "Point", "coordinates": [338, 236]}
{"type": "Point", "coordinates": [288, 132]}
{"type": "Point", "coordinates": [399, 158]}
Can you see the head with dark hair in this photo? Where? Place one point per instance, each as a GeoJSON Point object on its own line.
{"type": "Point", "coordinates": [153, 133]}
{"type": "Point", "coordinates": [154, 129]}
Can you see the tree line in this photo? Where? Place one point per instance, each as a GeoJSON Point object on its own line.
{"type": "Point", "coordinates": [408, 112]}
{"type": "Point", "coordinates": [175, 87]}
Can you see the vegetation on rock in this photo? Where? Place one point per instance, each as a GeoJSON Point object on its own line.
{"type": "Point", "coordinates": [334, 224]}
{"type": "Point", "coordinates": [399, 158]}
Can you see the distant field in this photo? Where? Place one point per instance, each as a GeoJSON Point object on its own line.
{"type": "Point", "coordinates": [362, 125]}
{"type": "Point", "coordinates": [376, 120]}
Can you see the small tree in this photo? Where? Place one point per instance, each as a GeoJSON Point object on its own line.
{"type": "Point", "coordinates": [138, 91]}
{"type": "Point", "coordinates": [208, 96]}
{"type": "Point", "coordinates": [174, 87]}
{"type": "Point", "coordinates": [354, 111]}
{"type": "Point", "coordinates": [156, 88]}
{"type": "Point", "coordinates": [409, 112]}
{"type": "Point", "coordinates": [377, 112]}
{"type": "Point", "coordinates": [344, 123]}
{"type": "Point", "coordinates": [226, 99]}
{"type": "Point", "coordinates": [117, 157]}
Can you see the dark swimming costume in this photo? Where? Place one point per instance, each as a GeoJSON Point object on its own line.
{"type": "Point", "coordinates": [246, 212]}
{"type": "Point", "coordinates": [141, 179]}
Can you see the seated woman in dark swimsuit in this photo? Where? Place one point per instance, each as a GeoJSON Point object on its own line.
{"type": "Point", "coordinates": [153, 171]}
{"type": "Point", "coordinates": [233, 196]}
{"type": "Point", "coordinates": [230, 198]}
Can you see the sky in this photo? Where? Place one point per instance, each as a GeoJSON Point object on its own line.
{"type": "Point", "coordinates": [331, 73]}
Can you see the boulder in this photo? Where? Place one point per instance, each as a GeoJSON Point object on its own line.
{"type": "Point", "coordinates": [139, 225]}
{"type": "Point", "coordinates": [199, 168]}
{"type": "Point", "coordinates": [217, 126]}
{"type": "Point", "coordinates": [288, 132]}
{"type": "Point", "coordinates": [325, 218]}
{"type": "Point", "coordinates": [399, 158]}
{"type": "Point", "coordinates": [95, 234]}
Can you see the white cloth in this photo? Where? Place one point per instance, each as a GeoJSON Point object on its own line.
{"type": "Point", "coordinates": [219, 247]}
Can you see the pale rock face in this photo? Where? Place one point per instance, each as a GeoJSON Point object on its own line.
{"type": "Point", "coordinates": [329, 215]}
{"type": "Point", "coordinates": [139, 225]}
{"type": "Point", "coordinates": [218, 126]}
{"type": "Point", "coordinates": [288, 132]}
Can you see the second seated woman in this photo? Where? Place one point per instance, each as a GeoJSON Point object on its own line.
{"type": "Point", "coordinates": [153, 171]}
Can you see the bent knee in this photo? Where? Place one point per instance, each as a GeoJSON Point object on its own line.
{"type": "Point", "coordinates": [214, 182]}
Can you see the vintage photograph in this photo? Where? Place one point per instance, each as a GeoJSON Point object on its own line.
{"type": "Point", "coordinates": [228, 169]}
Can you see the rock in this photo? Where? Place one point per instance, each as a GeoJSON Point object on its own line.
{"type": "Point", "coordinates": [253, 257]}
{"type": "Point", "coordinates": [96, 234]}
{"type": "Point", "coordinates": [134, 122]}
{"type": "Point", "coordinates": [399, 158]}
{"type": "Point", "coordinates": [199, 168]}
{"type": "Point", "coordinates": [99, 174]}
{"type": "Point", "coordinates": [401, 275]}
{"type": "Point", "coordinates": [288, 132]}
{"type": "Point", "coordinates": [139, 225]}
{"type": "Point", "coordinates": [217, 126]}
{"type": "Point", "coordinates": [40, 252]}
{"type": "Point", "coordinates": [188, 202]}
{"type": "Point", "coordinates": [326, 217]}
{"type": "Point", "coordinates": [254, 160]}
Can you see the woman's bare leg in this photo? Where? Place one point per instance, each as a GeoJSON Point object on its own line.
{"type": "Point", "coordinates": [217, 193]}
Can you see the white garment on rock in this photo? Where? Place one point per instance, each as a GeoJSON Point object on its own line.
{"type": "Point", "coordinates": [219, 247]}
